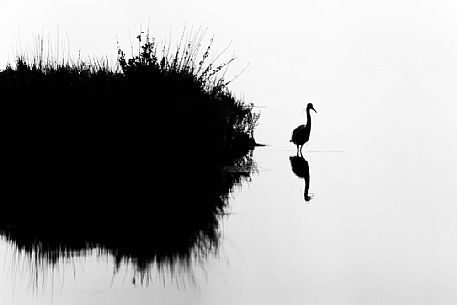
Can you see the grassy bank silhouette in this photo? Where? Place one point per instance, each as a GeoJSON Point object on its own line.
{"type": "Point", "coordinates": [129, 159]}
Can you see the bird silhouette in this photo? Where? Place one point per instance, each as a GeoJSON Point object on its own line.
{"type": "Point", "coordinates": [300, 135]}
{"type": "Point", "coordinates": [300, 167]}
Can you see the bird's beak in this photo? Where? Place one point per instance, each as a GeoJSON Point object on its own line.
{"type": "Point", "coordinates": [314, 110]}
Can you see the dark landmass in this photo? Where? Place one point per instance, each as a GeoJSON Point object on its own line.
{"type": "Point", "coordinates": [129, 161]}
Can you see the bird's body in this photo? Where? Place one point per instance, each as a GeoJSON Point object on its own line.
{"type": "Point", "coordinates": [300, 135]}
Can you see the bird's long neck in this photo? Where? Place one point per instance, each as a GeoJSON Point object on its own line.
{"type": "Point", "coordinates": [308, 118]}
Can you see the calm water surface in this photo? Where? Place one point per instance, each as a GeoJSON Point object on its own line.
{"type": "Point", "coordinates": [380, 228]}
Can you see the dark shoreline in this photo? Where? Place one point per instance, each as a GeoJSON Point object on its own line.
{"type": "Point", "coordinates": [128, 161]}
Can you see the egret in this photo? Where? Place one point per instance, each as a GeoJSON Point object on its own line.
{"type": "Point", "coordinates": [300, 135]}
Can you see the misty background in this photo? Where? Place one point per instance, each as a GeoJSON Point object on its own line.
{"type": "Point", "coordinates": [382, 153]}
{"type": "Point", "coordinates": [381, 74]}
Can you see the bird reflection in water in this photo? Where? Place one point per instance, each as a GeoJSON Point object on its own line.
{"type": "Point", "coordinates": [300, 167]}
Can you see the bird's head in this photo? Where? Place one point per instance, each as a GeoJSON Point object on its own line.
{"type": "Point", "coordinates": [310, 106]}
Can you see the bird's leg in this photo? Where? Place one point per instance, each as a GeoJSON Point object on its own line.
{"type": "Point", "coordinates": [297, 150]}
{"type": "Point", "coordinates": [301, 153]}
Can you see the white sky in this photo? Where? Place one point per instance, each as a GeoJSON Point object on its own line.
{"type": "Point", "coordinates": [380, 73]}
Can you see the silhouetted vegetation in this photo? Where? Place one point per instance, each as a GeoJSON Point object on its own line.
{"type": "Point", "coordinates": [129, 160]}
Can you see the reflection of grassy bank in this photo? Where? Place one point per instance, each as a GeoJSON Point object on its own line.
{"type": "Point", "coordinates": [176, 226]}
{"type": "Point", "coordinates": [127, 160]}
